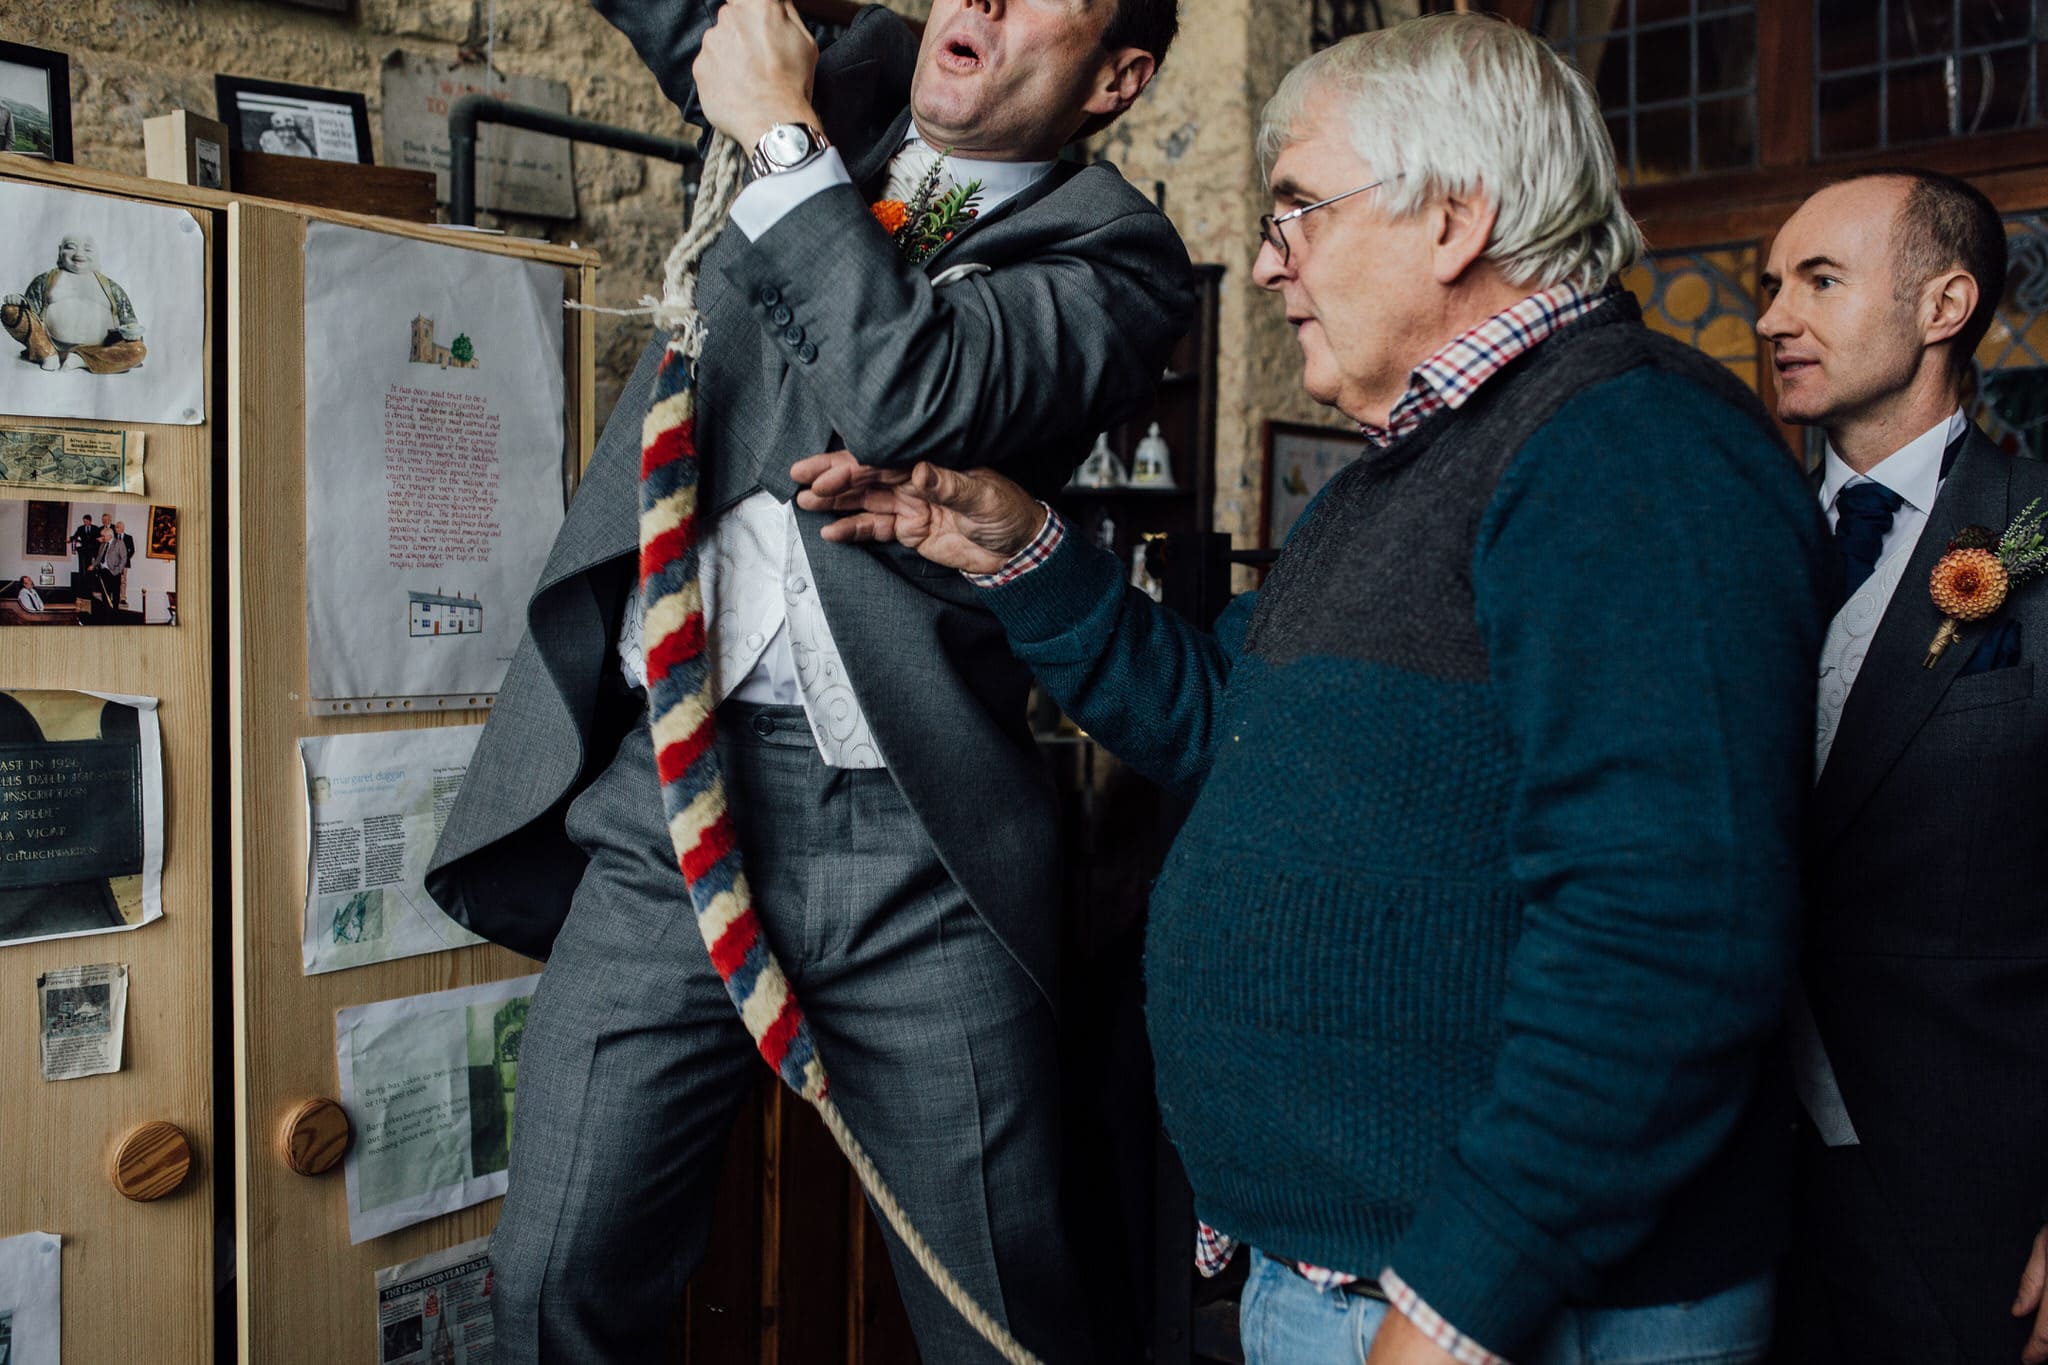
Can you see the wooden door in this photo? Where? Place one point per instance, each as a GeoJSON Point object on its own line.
{"type": "Point", "coordinates": [304, 1293]}
{"type": "Point", "coordinates": [137, 1278]}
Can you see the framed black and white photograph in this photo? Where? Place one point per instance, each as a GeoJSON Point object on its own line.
{"type": "Point", "coordinates": [1300, 459]}
{"type": "Point", "coordinates": [294, 120]}
{"type": "Point", "coordinates": [35, 102]}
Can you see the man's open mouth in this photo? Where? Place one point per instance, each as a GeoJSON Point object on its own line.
{"type": "Point", "coordinates": [959, 54]}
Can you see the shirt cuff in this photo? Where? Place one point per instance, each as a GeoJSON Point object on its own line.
{"type": "Point", "coordinates": [1445, 1337]}
{"type": "Point", "coordinates": [1030, 557]}
{"type": "Point", "coordinates": [762, 203]}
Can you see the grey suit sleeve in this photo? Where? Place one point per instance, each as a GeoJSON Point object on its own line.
{"type": "Point", "coordinates": [667, 35]}
{"type": "Point", "coordinates": [1032, 356]}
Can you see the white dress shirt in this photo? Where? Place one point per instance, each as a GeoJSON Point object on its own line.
{"type": "Point", "coordinates": [1914, 473]}
{"type": "Point", "coordinates": [766, 630]}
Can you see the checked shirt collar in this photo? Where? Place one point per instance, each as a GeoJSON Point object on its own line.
{"type": "Point", "coordinates": [1451, 376]}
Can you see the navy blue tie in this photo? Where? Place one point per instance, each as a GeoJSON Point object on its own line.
{"type": "Point", "coordinates": [1863, 515]}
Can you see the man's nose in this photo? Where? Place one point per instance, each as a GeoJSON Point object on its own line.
{"type": "Point", "coordinates": [1268, 270]}
{"type": "Point", "coordinates": [1776, 321]}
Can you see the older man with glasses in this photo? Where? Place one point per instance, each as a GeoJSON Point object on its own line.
{"type": "Point", "coordinates": [1462, 969]}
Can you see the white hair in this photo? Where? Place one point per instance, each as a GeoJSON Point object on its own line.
{"type": "Point", "coordinates": [1457, 103]}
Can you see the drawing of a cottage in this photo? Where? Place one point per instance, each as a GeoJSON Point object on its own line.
{"type": "Point", "coordinates": [436, 613]}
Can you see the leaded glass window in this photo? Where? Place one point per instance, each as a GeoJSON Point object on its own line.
{"type": "Point", "coordinates": [1676, 78]}
{"type": "Point", "coordinates": [1889, 73]}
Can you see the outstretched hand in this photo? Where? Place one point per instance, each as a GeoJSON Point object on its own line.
{"type": "Point", "coordinates": [2032, 1300]}
{"type": "Point", "coordinates": [972, 521]}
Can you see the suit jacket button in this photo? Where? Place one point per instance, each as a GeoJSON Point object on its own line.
{"type": "Point", "coordinates": [764, 725]}
{"type": "Point", "coordinates": [781, 315]}
{"type": "Point", "coordinates": [793, 334]}
{"type": "Point", "coordinates": [807, 353]}
{"type": "Point", "coordinates": [770, 296]}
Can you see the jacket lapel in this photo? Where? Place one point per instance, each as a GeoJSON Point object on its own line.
{"type": "Point", "coordinates": [1060, 174]}
{"type": "Point", "coordinates": [870, 163]}
{"type": "Point", "coordinates": [1894, 695]}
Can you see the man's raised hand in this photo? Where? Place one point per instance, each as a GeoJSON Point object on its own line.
{"type": "Point", "coordinates": [973, 521]}
{"type": "Point", "coordinates": [755, 70]}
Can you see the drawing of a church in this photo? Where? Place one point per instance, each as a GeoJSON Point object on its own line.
{"type": "Point", "coordinates": [459, 354]}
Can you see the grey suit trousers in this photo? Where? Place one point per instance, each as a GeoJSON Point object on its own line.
{"type": "Point", "coordinates": [940, 1050]}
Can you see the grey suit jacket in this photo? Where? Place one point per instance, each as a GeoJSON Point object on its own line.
{"type": "Point", "coordinates": [821, 335]}
{"type": "Point", "coordinates": [1927, 955]}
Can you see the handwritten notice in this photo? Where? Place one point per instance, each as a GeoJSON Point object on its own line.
{"type": "Point", "coordinates": [435, 435]}
{"type": "Point", "coordinates": [440, 478]}
{"type": "Point", "coordinates": [428, 1082]}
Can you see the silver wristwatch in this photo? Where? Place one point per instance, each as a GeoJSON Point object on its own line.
{"type": "Point", "coordinates": [785, 147]}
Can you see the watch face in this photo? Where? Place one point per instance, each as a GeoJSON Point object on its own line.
{"type": "Point", "coordinates": [786, 144]}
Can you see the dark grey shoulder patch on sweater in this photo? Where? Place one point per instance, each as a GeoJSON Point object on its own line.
{"type": "Point", "coordinates": [1380, 568]}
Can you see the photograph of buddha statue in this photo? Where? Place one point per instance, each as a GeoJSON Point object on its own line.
{"type": "Point", "coordinates": [74, 316]}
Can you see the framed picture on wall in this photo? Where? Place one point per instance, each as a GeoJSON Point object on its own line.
{"type": "Point", "coordinates": [1300, 459]}
{"type": "Point", "coordinates": [163, 533]}
{"type": "Point", "coordinates": [47, 530]}
{"type": "Point", "coordinates": [35, 102]}
{"type": "Point", "coordinates": [294, 120]}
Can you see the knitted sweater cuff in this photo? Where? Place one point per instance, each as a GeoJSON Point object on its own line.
{"type": "Point", "coordinates": [1480, 1271]}
{"type": "Point", "coordinates": [1047, 605]}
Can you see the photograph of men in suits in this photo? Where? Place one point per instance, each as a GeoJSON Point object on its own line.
{"type": "Point", "coordinates": [1924, 1156]}
{"type": "Point", "coordinates": [112, 564]}
{"type": "Point", "coordinates": [85, 543]}
{"type": "Point", "coordinates": [896, 826]}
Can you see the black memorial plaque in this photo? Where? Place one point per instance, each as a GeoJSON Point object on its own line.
{"type": "Point", "coordinates": [70, 811]}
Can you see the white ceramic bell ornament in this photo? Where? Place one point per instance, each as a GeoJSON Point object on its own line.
{"type": "Point", "coordinates": [1102, 469]}
{"type": "Point", "coordinates": [1152, 462]}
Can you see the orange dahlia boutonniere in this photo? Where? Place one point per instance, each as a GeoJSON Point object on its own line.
{"type": "Point", "coordinates": [1980, 571]}
{"type": "Point", "coordinates": [929, 219]}
{"type": "Point", "coordinates": [892, 214]}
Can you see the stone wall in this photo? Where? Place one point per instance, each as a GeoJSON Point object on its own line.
{"type": "Point", "coordinates": [1193, 132]}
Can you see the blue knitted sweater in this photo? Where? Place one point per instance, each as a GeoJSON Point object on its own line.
{"type": "Point", "coordinates": [1465, 960]}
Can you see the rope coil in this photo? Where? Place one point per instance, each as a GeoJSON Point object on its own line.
{"type": "Point", "coordinates": [681, 709]}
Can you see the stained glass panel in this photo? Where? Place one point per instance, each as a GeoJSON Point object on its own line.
{"type": "Point", "coordinates": [1705, 298]}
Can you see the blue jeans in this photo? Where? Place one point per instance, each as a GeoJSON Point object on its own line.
{"type": "Point", "coordinates": [1285, 1320]}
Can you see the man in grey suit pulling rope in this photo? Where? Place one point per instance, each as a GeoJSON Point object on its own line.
{"type": "Point", "coordinates": [894, 822]}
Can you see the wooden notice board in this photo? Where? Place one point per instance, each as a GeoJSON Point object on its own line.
{"type": "Point", "coordinates": [138, 1278]}
{"type": "Point", "coordinates": [304, 1293]}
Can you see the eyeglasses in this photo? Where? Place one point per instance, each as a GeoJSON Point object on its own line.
{"type": "Point", "coordinates": [1269, 226]}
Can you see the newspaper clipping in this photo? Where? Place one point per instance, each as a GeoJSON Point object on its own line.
{"type": "Point", "coordinates": [84, 1012]}
{"type": "Point", "coordinates": [377, 803]}
{"type": "Point", "coordinates": [428, 1083]}
{"type": "Point", "coordinates": [70, 459]}
{"type": "Point", "coordinates": [437, 1310]}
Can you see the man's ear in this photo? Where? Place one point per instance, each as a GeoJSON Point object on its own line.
{"type": "Point", "coordinates": [1125, 76]}
{"type": "Point", "coordinates": [1947, 302]}
{"type": "Point", "coordinates": [1464, 229]}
